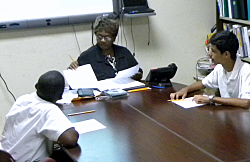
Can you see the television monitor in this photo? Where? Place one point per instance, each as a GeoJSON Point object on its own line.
{"type": "Point", "coordinates": [160, 77]}
{"type": "Point", "coordinates": [136, 6]}
{"type": "Point", "coordinates": [129, 3]}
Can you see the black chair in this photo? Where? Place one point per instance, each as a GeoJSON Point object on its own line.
{"type": "Point", "coordinates": [6, 157]}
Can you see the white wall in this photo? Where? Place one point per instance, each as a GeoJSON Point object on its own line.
{"type": "Point", "coordinates": [177, 34]}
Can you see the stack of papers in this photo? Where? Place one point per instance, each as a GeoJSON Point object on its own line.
{"type": "Point", "coordinates": [84, 77]}
{"type": "Point", "coordinates": [120, 83]}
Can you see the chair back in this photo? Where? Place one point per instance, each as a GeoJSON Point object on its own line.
{"type": "Point", "coordinates": [6, 157]}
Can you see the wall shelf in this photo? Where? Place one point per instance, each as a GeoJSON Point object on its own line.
{"type": "Point", "coordinates": [126, 15]}
{"type": "Point", "coordinates": [245, 59]}
{"type": "Point", "coordinates": [234, 21]}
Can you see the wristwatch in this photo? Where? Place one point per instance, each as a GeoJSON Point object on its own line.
{"type": "Point", "coordinates": [211, 97]}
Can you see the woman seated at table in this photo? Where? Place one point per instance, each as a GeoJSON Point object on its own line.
{"type": "Point", "coordinates": [106, 58]}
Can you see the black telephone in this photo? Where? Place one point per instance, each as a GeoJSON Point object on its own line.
{"type": "Point", "coordinates": [160, 77]}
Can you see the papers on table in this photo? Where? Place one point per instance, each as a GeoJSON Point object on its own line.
{"type": "Point", "coordinates": [121, 83]}
{"type": "Point", "coordinates": [67, 96]}
{"type": "Point", "coordinates": [88, 126]}
{"type": "Point", "coordinates": [187, 103]}
{"type": "Point", "coordinates": [84, 77]}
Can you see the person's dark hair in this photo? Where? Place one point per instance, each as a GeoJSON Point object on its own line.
{"type": "Point", "coordinates": [226, 41]}
{"type": "Point", "coordinates": [107, 24]}
{"type": "Point", "coordinates": [50, 86]}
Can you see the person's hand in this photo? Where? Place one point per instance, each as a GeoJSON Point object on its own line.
{"type": "Point", "coordinates": [137, 76]}
{"type": "Point", "coordinates": [73, 65]}
{"type": "Point", "coordinates": [200, 99]}
{"type": "Point", "coordinates": [182, 93]}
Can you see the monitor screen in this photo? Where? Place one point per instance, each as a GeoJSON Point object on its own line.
{"type": "Point", "coordinates": [132, 3]}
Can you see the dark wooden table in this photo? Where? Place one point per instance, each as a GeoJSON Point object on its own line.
{"type": "Point", "coordinates": [145, 127]}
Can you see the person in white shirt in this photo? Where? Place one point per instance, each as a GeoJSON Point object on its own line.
{"type": "Point", "coordinates": [231, 76]}
{"type": "Point", "coordinates": [35, 121]}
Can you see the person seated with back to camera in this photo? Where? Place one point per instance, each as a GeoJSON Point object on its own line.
{"type": "Point", "coordinates": [106, 58]}
{"type": "Point", "coordinates": [231, 76]}
{"type": "Point", "coordinates": [35, 121]}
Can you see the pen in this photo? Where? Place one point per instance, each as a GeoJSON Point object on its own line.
{"type": "Point", "coordinates": [140, 89]}
{"type": "Point", "coordinates": [72, 58]}
{"type": "Point", "coordinates": [158, 87]}
{"type": "Point", "coordinates": [79, 113]}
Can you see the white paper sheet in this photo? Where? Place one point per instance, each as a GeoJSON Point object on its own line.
{"type": "Point", "coordinates": [82, 77]}
{"type": "Point", "coordinates": [88, 126]}
{"type": "Point", "coordinates": [67, 96]}
{"type": "Point", "coordinates": [187, 103]}
{"type": "Point", "coordinates": [127, 72]}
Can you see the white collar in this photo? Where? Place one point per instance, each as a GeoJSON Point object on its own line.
{"type": "Point", "coordinates": [237, 65]}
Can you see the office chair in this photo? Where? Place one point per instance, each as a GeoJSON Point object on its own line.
{"type": "Point", "coordinates": [47, 160]}
{"type": "Point", "coordinates": [6, 157]}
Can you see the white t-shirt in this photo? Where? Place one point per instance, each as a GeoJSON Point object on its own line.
{"type": "Point", "coordinates": [31, 125]}
{"type": "Point", "coordinates": [236, 86]}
